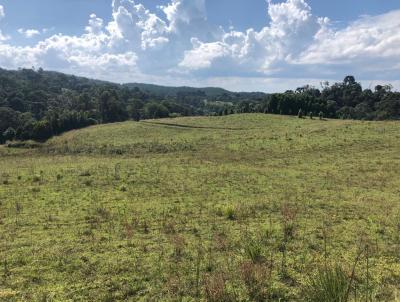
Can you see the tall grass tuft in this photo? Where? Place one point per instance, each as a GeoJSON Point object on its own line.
{"type": "Point", "coordinates": [253, 249]}
{"type": "Point", "coordinates": [328, 285]}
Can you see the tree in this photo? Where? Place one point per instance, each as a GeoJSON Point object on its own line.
{"type": "Point", "coordinates": [154, 110]}
{"type": "Point", "coordinates": [9, 134]}
{"type": "Point", "coordinates": [135, 109]}
{"type": "Point", "coordinates": [349, 80]}
{"type": "Point", "coordinates": [111, 109]}
{"type": "Point", "coordinates": [8, 118]}
{"type": "Point", "coordinates": [300, 114]}
{"type": "Point", "coordinates": [41, 130]}
{"type": "Point", "coordinates": [16, 102]}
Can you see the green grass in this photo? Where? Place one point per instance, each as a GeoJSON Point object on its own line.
{"type": "Point", "coordinates": [238, 208]}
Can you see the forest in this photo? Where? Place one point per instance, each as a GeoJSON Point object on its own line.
{"type": "Point", "coordinates": [38, 104]}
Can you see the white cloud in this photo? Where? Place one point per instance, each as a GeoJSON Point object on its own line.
{"type": "Point", "coordinates": [180, 44]}
{"type": "Point", "coordinates": [370, 45]}
{"type": "Point", "coordinates": [291, 30]}
{"type": "Point", "coordinates": [2, 14]}
{"type": "Point", "coordinates": [95, 25]}
{"type": "Point", "coordinates": [29, 33]}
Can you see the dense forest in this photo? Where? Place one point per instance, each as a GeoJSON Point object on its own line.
{"type": "Point", "coordinates": [37, 104]}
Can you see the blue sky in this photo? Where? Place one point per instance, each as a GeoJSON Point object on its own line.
{"type": "Point", "coordinates": [206, 42]}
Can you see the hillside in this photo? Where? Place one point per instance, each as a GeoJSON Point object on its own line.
{"type": "Point", "coordinates": [167, 91]}
{"type": "Point", "coordinates": [39, 104]}
{"type": "Point", "coordinates": [246, 207]}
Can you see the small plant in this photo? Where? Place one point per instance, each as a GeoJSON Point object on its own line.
{"type": "Point", "coordinates": [128, 232]}
{"type": "Point", "coordinates": [328, 285]}
{"type": "Point", "coordinates": [18, 207]}
{"type": "Point", "coordinates": [179, 244]}
{"type": "Point", "coordinates": [230, 212]}
{"type": "Point", "coordinates": [169, 227]}
{"type": "Point", "coordinates": [85, 173]}
{"type": "Point", "coordinates": [117, 169]}
{"type": "Point", "coordinates": [103, 212]}
{"type": "Point", "coordinates": [215, 288]}
{"type": "Point", "coordinates": [289, 215]}
{"type": "Point", "coordinates": [253, 250]}
{"type": "Point", "coordinates": [6, 270]}
{"type": "Point", "coordinates": [256, 279]}
{"type": "Point", "coordinates": [88, 182]}
{"type": "Point", "coordinates": [146, 228]}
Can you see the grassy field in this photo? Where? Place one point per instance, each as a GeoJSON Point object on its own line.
{"type": "Point", "coordinates": [239, 208]}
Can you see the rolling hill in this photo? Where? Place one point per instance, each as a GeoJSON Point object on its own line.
{"type": "Point", "coordinates": [247, 207]}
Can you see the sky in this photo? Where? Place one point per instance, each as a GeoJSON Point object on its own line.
{"type": "Point", "coordinates": [241, 45]}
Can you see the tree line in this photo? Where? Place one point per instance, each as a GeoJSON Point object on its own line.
{"type": "Point", "coordinates": [38, 104]}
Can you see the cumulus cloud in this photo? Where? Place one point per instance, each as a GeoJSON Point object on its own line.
{"type": "Point", "coordinates": [2, 14]}
{"type": "Point", "coordinates": [29, 33]}
{"type": "Point", "coordinates": [369, 45]}
{"type": "Point", "coordinates": [181, 43]}
{"type": "Point", "coordinates": [291, 30]}
{"type": "Point", "coordinates": [95, 25]}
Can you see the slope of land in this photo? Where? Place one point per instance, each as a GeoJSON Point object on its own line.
{"type": "Point", "coordinates": [174, 91]}
{"type": "Point", "coordinates": [237, 208]}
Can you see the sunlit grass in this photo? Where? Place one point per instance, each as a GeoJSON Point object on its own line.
{"type": "Point", "coordinates": [147, 212]}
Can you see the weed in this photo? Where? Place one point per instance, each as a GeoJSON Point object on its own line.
{"type": "Point", "coordinates": [253, 250]}
{"type": "Point", "coordinates": [215, 288]}
{"type": "Point", "coordinates": [230, 212]}
{"type": "Point", "coordinates": [179, 243]}
{"type": "Point", "coordinates": [255, 276]}
{"type": "Point", "coordinates": [85, 173]}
